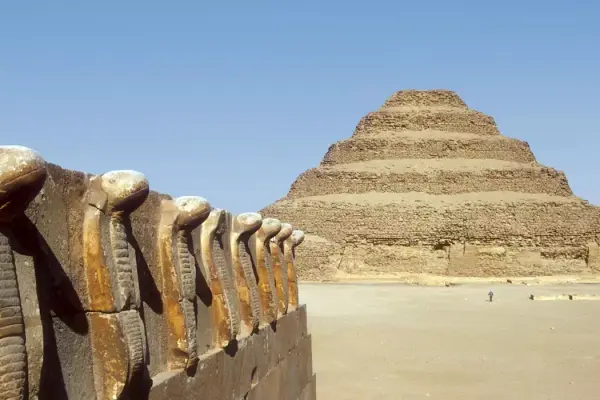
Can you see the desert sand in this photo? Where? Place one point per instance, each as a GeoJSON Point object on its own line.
{"type": "Point", "coordinates": [398, 341]}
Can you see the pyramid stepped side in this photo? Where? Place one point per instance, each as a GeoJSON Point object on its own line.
{"type": "Point", "coordinates": [420, 119]}
{"type": "Point", "coordinates": [442, 176]}
{"type": "Point", "coordinates": [413, 110]}
{"type": "Point", "coordinates": [426, 145]}
{"type": "Point", "coordinates": [473, 234]}
{"type": "Point", "coordinates": [427, 185]}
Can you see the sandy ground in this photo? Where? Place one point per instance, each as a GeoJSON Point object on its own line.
{"type": "Point", "coordinates": [394, 341]}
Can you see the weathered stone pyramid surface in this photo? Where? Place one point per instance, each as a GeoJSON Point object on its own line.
{"type": "Point", "coordinates": [427, 185]}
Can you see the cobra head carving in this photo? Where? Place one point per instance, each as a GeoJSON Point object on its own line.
{"type": "Point", "coordinates": [243, 226]}
{"type": "Point", "coordinates": [264, 266]}
{"type": "Point", "coordinates": [279, 267]}
{"type": "Point", "coordinates": [247, 223]}
{"type": "Point", "coordinates": [125, 189]}
{"type": "Point", "coordinates": [193, 210]}
{"type": "Point", "coordinates": [295, 239]}
{"type": "Point", "coordinates": [179, 218]}
{"type": "Point", "coordinates": [22, 175]}
{"type": "Point", "coordinates": [214, 242]}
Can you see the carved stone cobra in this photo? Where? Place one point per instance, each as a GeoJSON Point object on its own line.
{"type": "Point", "coordinates": [242, 227]}
{"type": "Point", "coordinates": [22, 175]}
{"type": "Point", "coordinates": [279, 268]}
{"type": "Point", "coordinates": [213, 253]}
{"type": "Point", "coordinates": [289, 252]}
{"type": "Point", "coordinates": [264, 265]}
{"type": "Point", "coordinates": [179, 218]}
{"type": "Point", "coordinates": [116, 328]}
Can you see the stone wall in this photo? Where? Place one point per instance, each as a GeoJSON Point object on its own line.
{"type": "Point", "coordinates": [111, 291]}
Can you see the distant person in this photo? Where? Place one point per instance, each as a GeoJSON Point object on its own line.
{"type": "Point", "coordinates": [491, 294]}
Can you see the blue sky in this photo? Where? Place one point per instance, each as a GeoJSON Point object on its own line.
{"type": "Point", "coordinates": [232, 100]}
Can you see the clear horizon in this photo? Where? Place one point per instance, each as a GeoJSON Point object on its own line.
{"type": "Point", "coordinates": [233, 103]}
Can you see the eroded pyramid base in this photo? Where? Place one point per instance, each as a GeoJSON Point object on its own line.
{"type": "Point", "coordinates": [487, 234]}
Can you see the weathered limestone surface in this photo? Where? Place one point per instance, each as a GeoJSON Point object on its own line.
{"type": "Point", "coordinates": [427, 145]}
{"type": "Point", "coordinates": [271, 364]}
{"type": "Point", "coordinates": [430, 176]}
{"type": "Point", "coordinates": [112, 291]}
{"type": "Point", "coordinates": [427, 185]}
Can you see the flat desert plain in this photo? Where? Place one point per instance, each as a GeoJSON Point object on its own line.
{"type": "Point", "coordinates": [395, 341]}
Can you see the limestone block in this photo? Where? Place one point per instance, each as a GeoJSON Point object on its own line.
{"type": "Point", "coordinates": [50, 279]}
{"type": "Point", "coordinates": [530, 258]}
{"type": "Point", "coordinates": [272, 364]}
{"type": "Point", "coordinates": [593, 258]}
{"type": "Point", "coordinates": [208, 381]}
{"type": "Point", "coordinates": [288, 379]}
{"type": "Point", "coordinates": [382, 258]}
{"type": "Point", "coordinates": [68, 360]}
{"type": "Point", "coordinates": [459, 259]}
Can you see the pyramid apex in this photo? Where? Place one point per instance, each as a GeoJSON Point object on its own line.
{"type": "Point", "coordinates": [424, 98]}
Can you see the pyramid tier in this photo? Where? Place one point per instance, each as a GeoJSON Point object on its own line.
{"type": "Point", "coordinates": [429, 98]}
{"type": "Point", "coordinates": [503, 217]}
{"type": "Point", "coordinates": [472, 234]}
{"type": "Point", "coordinates": [443, 176]}
{"type": "Point", "coordinates": [402, 119]}
{"type": "Point", "coordinates": [426, 145]}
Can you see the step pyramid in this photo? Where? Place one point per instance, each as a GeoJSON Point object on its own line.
{"type": "Point", "coordinates": [428, 185]}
